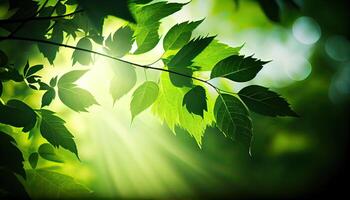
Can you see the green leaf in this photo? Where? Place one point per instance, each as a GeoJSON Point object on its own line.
{"type": "Point", "coordinates": [232, 118]}
{"type": "Point", "coordinates": [33, 159]}
{"type": "Point", "coordinates": [53, 81]}
{"type": "Point", "coordinates": [34, 70]}
{"type": "Point", "coordinates": [147, 37]}
{"type": "Point", "coordinates": [263, 101]}
{"type": "Point", "coordinates": [48, 96]}
{"type": "Point", "coordinates": [84, 58]}
{"type": "Point", "coordinates": [11, 156]}
{"type": "Point", "coordinates": [168, 107]}
{"type": "Point", "coordinates": [152, 13]}
{"type": "Point", "coordinates": [53, 130]}
{"type": "Point", "coordinates": [143, 97]}
{"type": "Point", "coordinates": [96, 11]}
{"type": "Point", "coordinates": [179, 35]}
{"type": "Point", "coordinates": [195, 100]}
{"type": "Point", "coordinates": [187, 53]}
{"type": "Point", "coordinates": [17, 114]}
{"type": "Point", "coordinates": [50, 51]}
{"type": "Point", "coordinates": [60, 8]}
{"type": "Point", "coordinates": [214, 52]}
{"type": "Point", "coordinates": [237, 68]}
{"type": "Point", "coordinates": [55, 186]}
{"type": "Point", "coordinates": [271, 9]}
{"type": "Point", "coordinates": [123, 81]}
{"type": "Point", "coordinates": [10, 74]}
{"type": "Point", "coordinates": [1, 88]}
{"type": "Point", "coordinates": [47, 151]}
{"type": "Point", "coordinates": [71, 95]}
{"type": "Point", "coordinates": [121, 42]}
{"type": "Point", "coordinates": [12, 188]}
{"type": "Point", "coordinates": [3, 59]}
{"type": "Point", "coordinates": [25, 70]}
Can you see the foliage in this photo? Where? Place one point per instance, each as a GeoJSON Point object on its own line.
{"type": "Point", "coordinates": [181, 96]}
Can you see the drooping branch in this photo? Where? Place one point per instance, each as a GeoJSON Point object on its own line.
{"type": "Point", "coordinates": [110, 57]}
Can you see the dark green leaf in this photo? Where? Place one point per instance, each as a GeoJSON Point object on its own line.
{"type": "Point", "coordinates": [53, 130]}
{"type": "Point", "coordinates": [43, 86]}
{"type": "Point", "coordinates": [0, 88]}
{"type": "Point", "coordinates": [187, 53]}
{"type": "Point", "coordinates": [84, 58]}
{"type": "Point", "coordinates": [140, 1]}
{"type": "Point", "coordinates": [33, 159]}
{"type": "Point", "coordinates": [25, 70]}
{"type": "Point", "coordinates": [17, 114]}
{"type": "Point", "coordinates": [54, 186]}
{"type": "Point", "coordinates": [60, 8]}
{"type": "Point", "coordinates": [271, 9]}
{"type": "Point", "coordinates": [47, 151]}
{"type": "Point", "coordinates": [143, 97]}
{"type": "Point", "coordinates": [11, 187]}
{"type": "Point", "coordinates": [53, 81]}
{"type": "Point", "coordinates": [179, 35]}
{"type": "Point", "coordinates": [121, 42]}
{"type": "Point", "coordinates": [232, 118]}
{"type": "Point", "coordinates": [34, 70]}
{"type": "Point", "coordinates": [50, 51]}
{"type": "Point", "coordinates": [33, 79]}
{"type": "Point", "coordinates": [147, 37]}
{"type": "Point", "coordinates": [263, 101]}
{"type": "Point", "coordinates": [96, 11]}
{"type": "Point", "coordinates": [11, 156]}
{"type": "Point", "coordinates": [48, 96]}
{"type": "Point", "coordinates": [195, 101]}
{"type": "Point", "coordinates": [10, 74]}
{"type": "Point", "coordinates": [123, 81]}
{"type": "Point", "coordinates": [237, 68]}
{"type": "Point", "coordinates": [3, 59]}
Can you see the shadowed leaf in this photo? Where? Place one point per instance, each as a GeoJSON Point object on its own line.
{"type": "Point", "coordinates": [33, 159]}
{"type": "Point", "coordinates": [83, 58]}
{"type": "Point", "coordinates": [195, 101]}
{"type": "Point", "coordinates": [47, 152]}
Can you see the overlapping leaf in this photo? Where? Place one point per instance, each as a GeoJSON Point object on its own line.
{"type": "Point", "coordinates": [84, 58]}
{"type": "Point", "coordinates": [195, 101]}
{"type": "Point", "coordinates": [120, 43]}
{"type": "Point", "coordinates": [263, 101]}
{"type": "Point", "coordinates": [47, 152]}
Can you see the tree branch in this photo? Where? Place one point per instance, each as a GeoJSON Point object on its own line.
{"type": "Point", "coordinates": [111, 57]}
{"type": "Point", "coordinates": [8, 21]}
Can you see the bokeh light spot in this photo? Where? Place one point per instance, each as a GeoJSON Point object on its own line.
{"type": "Point", "coordinates": [306, 30]}
{"type": "Point", "coordinates": [338, 48]}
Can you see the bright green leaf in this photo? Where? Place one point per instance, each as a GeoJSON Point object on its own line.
{"type": "Point", "coordinates": [147, 37]}
{"type": "Point", "coordinates": [143, 97]}
{"type": "Point", "coordinates": [123, 81]}
{"type": "Point", "coordinates": [237, 68]}
{"type": "Point", "coordinates": [121, 42]}
{"type": "Point", "coordinates": [263, 101]}
{"type": "Point", "coordinates": [54, 186]}
{"type": "Point", "coordinates": [179, 35]}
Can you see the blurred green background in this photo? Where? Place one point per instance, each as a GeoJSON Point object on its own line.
{"type": "Point", "coordinates": [310, 53]}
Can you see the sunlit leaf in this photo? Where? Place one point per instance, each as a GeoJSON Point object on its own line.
{"type": "Point", "coordinates": [57, 186]}
{"type": "Point", "coordinates": [237, 68]}
{"type": "Point", "coordinates": [143, 97]}
{"type": "Point", "coordinates": [214, 53]}
{"type": "Point", "coordinates": [123, 81]}
{"type": "Point", "coordinates": [120, 43]}
{"type": "Point", "coordinates": [33, 159]}
{"type": "Point", "coordinates": [168, 107]}
{"type": "Point", "coordinates": [179, 35]}
{"type": "Point", "coordinates": [11, 156]}
{"type": "Point", "coordinates": [53, 130]}
{"type": "Point", "coordinates": [73, 96]}
{"type": "Point", "coordinates": [263, 101]}
{"type": "Point", "coordinates": [147, 37]}
{"type": "Point", "coordinates": [232, 118]}
{"type": "Point", "coordinates": [47, 152]}
{"type": "Point", "coordinates": [84, 58]}
{"type": "Point", "coordinates": [17, 114]}
{"type": "Point", "coordinates": [195, 101]}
